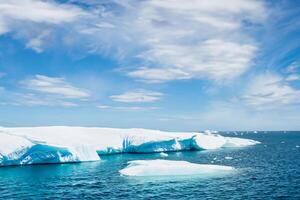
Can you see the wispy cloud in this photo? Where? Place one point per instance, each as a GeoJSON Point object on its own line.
{"type": "Point", "coordinates": [137, 96]}
{"type": "Point", "coordinates": [128, 108]}
{"type": "Point", "coordinates": [32, 99]}
{"type": "Point", "coordinates": [103, 106]}
{"type": "Point", "coordinates": [206, 41]}
{"type": "Point", "coordinates": [158, 75]}
{"type": "Point", "coordinates": [54, 86]}
{"type": "Point", "coordinates": [37, 42]}
{"type": "Point", "coordinates": [33, 19]}
{"type": "Point", "coordinates": [214, 59]}
{"type": "Point", "coordinates": [37, 11]}
{"type": "Point", "coordinates": [293, 67]}
{"type": "Point", "coordinates": [293, 77]}
{"type": "Point", "coordinates": [44, 91]}
{"type": "Point", "coordinates": [171, 40]}
{"type": "Point", "coordinates": [270, 91]}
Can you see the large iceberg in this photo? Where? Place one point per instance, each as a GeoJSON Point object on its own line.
{"type": "Point", "coordinates": [172, 168]}
{"type": "Point", "coordinates": [57, 144]}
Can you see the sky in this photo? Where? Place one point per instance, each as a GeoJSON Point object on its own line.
{"type": "Point", "coordinates": [161, 64]}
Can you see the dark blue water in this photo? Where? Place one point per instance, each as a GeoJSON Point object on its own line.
{"type": "Point", "coordinates": [270, 170]}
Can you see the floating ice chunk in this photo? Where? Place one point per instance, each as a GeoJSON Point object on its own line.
{"type": "Point", "coordinates": [172, 168]}
{"type": "Point", "coordinates": [228, 158]}
{"type": "Point", "coordinates": [163, 155]}
{"type": "Point", "coordinates": [297, 146]}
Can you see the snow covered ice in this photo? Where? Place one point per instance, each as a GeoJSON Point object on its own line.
{"type": "Point", "coordinates": [59, 144]}
{"type": "Point", "coordinates": [172, 168]}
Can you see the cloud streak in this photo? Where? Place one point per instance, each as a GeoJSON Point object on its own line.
{"type": "Point", "coordinates": [270, 91]}
{"type": "Point", "coordinates": [138, 96]}
{"type": "Point", "coordinates": [128, 108]}
{"type": "Point", "coordinates": [54, 86]}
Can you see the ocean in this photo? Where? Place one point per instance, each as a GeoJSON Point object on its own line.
{"type": "Point", "coordinates": [270, 170]}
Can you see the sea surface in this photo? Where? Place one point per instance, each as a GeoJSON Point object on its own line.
{"type": "Point", "coordinates": [270, 170]}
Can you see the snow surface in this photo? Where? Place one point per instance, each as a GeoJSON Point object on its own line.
{"type": "Point", "coordinates": [57, 144]}
{"type": "Point", "coordinates": [172, 168]}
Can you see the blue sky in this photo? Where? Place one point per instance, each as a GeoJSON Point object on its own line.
{"type": "Point", "coordinates": [171, 65]}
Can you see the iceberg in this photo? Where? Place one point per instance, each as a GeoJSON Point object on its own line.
{"type": "Point", "coordinates": [60, 144]}
{"type": "Point", "coordinates": [172, 168]}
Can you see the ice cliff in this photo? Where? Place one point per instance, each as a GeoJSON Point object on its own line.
{"type": "Point", "coordinates": [58, 144]}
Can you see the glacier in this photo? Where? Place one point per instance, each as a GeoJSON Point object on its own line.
{"type": "Point", "coordinates": [62, 144]}
{"type": "Point", "coordinates": [173, 168]}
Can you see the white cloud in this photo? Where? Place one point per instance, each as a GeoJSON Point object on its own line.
{"type": "Point", "coordinates": [195, 39]}
{"type": "Point", "coordinates": [103, 106]}
{"type": "Point", "coordinates": [128, 108]}
{"type": "Point", "coordinates": [171, 40]}
{"type": "Point", "coordinates": [37, 11]}
{"type": "Point", "coordinates": [138, 96]}
{"type": "Point", "coordinates": [157, 75]}
{"type": "Point", "coordinates": [292, 68]}
{"type": "Point", "coordinates": [293, 77]}
{"type": "Point", "coordinates": [234, 6]}
{"type": "Point", "coordinates": [31, 99]}
{"type": "Point", "coordinates": [44, 91]}
{"type": "Point", "coordinates": [37, 42]}
{"type": "Point", "coordinates": [270, 91]}
{"type": "Point", "coordinates": [212, 59]}
{"type": "Point", "coordinates": [54, 86]}
{"type": "Point", "coordinates": [28, 19]}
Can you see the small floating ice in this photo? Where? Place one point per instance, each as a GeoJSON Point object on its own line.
{"type": "Point", "coordinates": [228, 158]}
{"type": "Point", "coordinates": [163, 155]}
{"type": "Point", "coordinates": [172, 168]}
{"type": "Point", "coordinates": [297, 146]}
